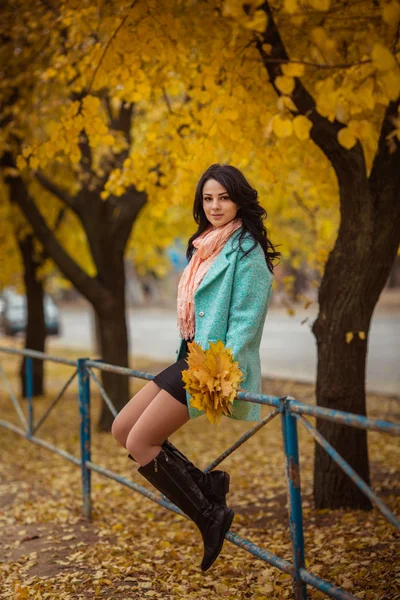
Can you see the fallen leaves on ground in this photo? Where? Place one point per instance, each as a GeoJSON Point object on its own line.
{"type": "Point", "coordinates": [133, 548]}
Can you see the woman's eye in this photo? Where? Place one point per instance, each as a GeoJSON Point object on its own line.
{"type": "Point", "coordinates": [223, 198]}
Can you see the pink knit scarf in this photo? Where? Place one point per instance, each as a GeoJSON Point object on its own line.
{"type": "Point", "coordinates": [208, 244]}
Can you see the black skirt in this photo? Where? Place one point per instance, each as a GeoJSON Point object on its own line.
{"type": "Point", "coordinates": [170, 379]}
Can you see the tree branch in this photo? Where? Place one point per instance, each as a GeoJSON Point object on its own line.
{"type": "Point", "coordinates": [113, 35]}
{"type": "Point", "coordinates": [384, 181]}
{"type": "Point", "coordinates": [323, 132]}
{"type": "Point", "coordinates": [86, 160]}
{"type": "Point", "coordinates": [123, 122]}
{"type": "Point", "coordinates": [50, 186]}
{"type": "Point", "coordinates": [387, 157]}
{"type": "Point", "coordinates": [284, 61]}
{"type": "Point", "coordinates": [107, 102]}
{"type": "Point", "coordinates": [128, 207]}
{"type": "Point", "coordinates": [90, 288]}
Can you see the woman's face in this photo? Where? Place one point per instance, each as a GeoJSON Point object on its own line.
{"type": "Point", "coordinates": [216, 201]}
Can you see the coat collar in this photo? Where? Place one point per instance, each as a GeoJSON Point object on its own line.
{"type": "Point", "coordinates": [220, 263]}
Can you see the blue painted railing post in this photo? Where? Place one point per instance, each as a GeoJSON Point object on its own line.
{"type": "Point", "coordinates": [29, 391]}
{"type": "Point", "coordinates": [84, 412]}
{"type": "Point", "coordinates": [289, 430]}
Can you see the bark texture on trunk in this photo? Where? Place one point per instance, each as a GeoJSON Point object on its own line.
{"type": "Point", "coordinates": [111, 321]}
{"type": "Point", "coordinates": [356, 271]}
{"type": "Point", "coordinates": [35, 334]}
{"type": "Point", "coordinates": [114, 344]}
{"type": "Point", "coordinates": [341, 386]}
{"type": "Point", "coordinates": [355, 274]}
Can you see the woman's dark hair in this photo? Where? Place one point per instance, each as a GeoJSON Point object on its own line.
{"type": "Point", "coordinates": [250, 211]}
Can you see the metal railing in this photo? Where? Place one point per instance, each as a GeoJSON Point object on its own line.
{"type": "Point", "coordinates": [290, 410]}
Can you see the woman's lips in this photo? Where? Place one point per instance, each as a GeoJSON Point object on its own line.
{"type": "Point", "coordinates": [217, 216]}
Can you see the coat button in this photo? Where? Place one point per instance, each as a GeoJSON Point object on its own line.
{"type": "Point", "coordinates": [201, 313]}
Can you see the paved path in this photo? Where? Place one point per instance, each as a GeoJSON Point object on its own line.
{"type": "Point", "coordinates": [288, 347]}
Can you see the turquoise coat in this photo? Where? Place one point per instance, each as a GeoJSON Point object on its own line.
{"type": "Point", "coordinates": [231, 304]}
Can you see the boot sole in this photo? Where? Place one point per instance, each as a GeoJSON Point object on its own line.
{"type": "Point", "coordinates": [225, 531]}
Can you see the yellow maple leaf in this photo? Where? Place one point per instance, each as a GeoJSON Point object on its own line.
{"type": "Point", "coordinates": [288, 102]}
{"type": "Point", "coordinates": [91, 103]}
{"type": "Point", "coordinates": [382, 58]}
{"type": "Point", "coordinates": [349, 337]}
{"type": "Point", "coordinates": [301, 127]}
{"type": "Point", "coordinates": [20, 592]}
{"type": "Point", "coordinates": [258, 22]}
{"type": "Point", "coordinates": [293, 69]}
{"type": "Point", "coordinates": [390, 81]}
{"type": "Point", "coordinates": [285, 84]}
{"type": "Point", "coordinates": [290, 6]}
{"type": "Point", "coordinates": [21, 163]}
{"type": "Point", "coordinates": [346, 138]}
{"type": "Point", "coordinates": [26, 151]}
{"type": "Point", "coordinates": [232, 8]}
{"type": "Point", "coordinates": [319, 37]}
{"type": "Point", "coordinates": [391, 13]}
{"type": "Point", "coordinates": [282, 127]}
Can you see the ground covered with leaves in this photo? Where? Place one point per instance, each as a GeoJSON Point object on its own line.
{"type": "Point", "coordinates": [134, 548]}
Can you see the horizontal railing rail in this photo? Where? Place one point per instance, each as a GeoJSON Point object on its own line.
{"type": "Point", "coordinates": [290, 410]}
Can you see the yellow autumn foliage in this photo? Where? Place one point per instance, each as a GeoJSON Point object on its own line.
{"type": "Point", "coordinates": [212, 379]}
{"type": "Point", "coordinates": [285, 84]}
{"type": "Point", "coordinates": [301, 127]}
{"type": "Point", "coordinates": [293, 69]}
{"type": "Point", "coordinates": [282, 127]}
{"type": "Point", "coordinates": [391, 13]}
{"type": "Point", "coordinates": [196, 97]}
{"type": "Point", "coordinates": [346, 138]}
{"type": "Point", "coordinates": [382, 58]}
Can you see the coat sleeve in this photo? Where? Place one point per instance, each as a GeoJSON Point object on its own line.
{"type": "Point", "coordinates": [250, 297]}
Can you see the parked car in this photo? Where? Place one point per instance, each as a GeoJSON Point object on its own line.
{"type": "Point", "coordinates": [14, 314]}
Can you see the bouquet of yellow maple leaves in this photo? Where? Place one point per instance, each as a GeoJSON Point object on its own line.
{"type": "Point", "coordinates": [212, 379]}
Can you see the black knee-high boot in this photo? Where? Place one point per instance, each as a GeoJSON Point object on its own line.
{"type": "Point", "coordinates": [214, 485]}
{"type": "Point", "coordinates": [168, 475]}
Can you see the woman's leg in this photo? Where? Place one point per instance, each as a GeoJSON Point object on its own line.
{"type": "Point", "coordinates": [162, 418]}
{"type": "Point", "coordinates": [131, 412]}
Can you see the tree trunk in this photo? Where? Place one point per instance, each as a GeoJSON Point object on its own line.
{"type": "Point", "coordinates": [108, 225]}
{"type": "Point", "coordinates": [114, 350]}
{"type": "Point", "coordinates": [394, 277]}
{"type": "Point", "coordinates": [341, 386]}
{"type": "Point", "coordinates": [355, 274]}
{"type": "Point", "coordinates": [96, 343]}
{"type": "Point", "coordinates": [35, 334]}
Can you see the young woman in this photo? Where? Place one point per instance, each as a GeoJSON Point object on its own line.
{"type": "Point", "coordinates": [223, 294]}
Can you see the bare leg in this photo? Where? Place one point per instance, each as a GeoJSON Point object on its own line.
{"type": "Point", "coordinates": [131, 412]}
{"type": "Point", "coordinates": [161, 418]}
